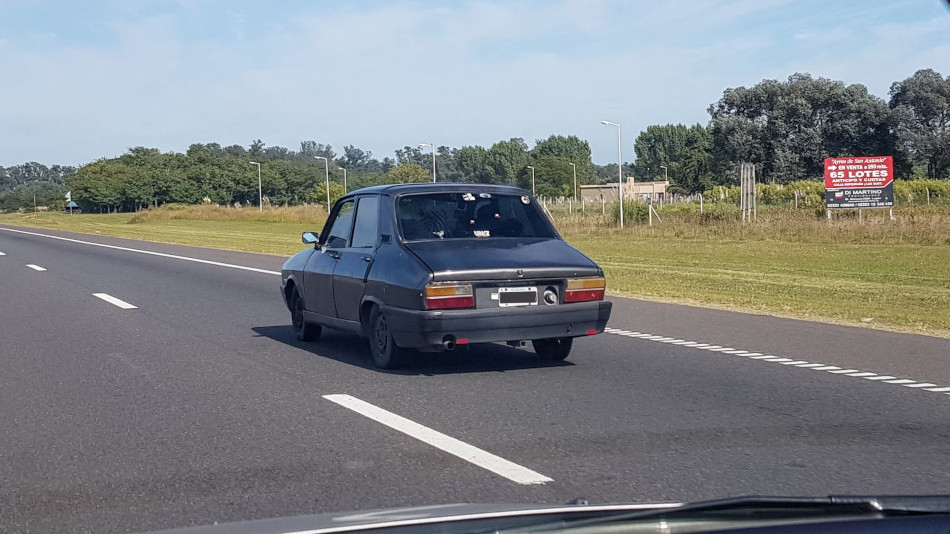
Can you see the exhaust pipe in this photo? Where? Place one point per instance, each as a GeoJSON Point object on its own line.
{"type": "Point", "coordinates": [448, 342]}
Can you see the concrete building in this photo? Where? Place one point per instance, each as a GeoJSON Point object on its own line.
{"type": "Point", "coordinates": [640, 190]}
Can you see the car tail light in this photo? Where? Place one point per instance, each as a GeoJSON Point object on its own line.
{"type": "Point", "coordinates": [449, 296]}
{"type": "Point", "coordinates": [585, 289]}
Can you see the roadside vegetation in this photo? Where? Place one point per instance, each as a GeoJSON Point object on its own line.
{"type": "Point", "coordinates": [876, 272]}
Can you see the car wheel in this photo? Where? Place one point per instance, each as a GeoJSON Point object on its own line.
{"type": "Point", "coordinates": [386, 354]}
{"type": "Point", "coordinates": [303, 330]}
{"type": "Point", "coordinates": [555, 348]}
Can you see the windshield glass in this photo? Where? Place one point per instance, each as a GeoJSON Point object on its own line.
{"type": "Point", "coordinates": [470, 215]}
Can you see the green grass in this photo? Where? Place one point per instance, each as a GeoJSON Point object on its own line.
{"type": "Point", "coordinates": [272, 233]}
{"type": "Point", "coordinates": [795, 264]}
{"type": "Point", "coordinates": [905, 287]}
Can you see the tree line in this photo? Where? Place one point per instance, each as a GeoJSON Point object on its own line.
{"type": "Point", "coordinates": [787, 128]}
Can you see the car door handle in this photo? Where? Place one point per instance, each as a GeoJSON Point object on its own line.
{"type": "Point", "coordinates": [335, 255]}
{"type": "Point", "coordinates": [367, 259]}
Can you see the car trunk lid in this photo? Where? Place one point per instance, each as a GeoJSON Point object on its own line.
{"type": "Point", "coordinates": [502, 259]}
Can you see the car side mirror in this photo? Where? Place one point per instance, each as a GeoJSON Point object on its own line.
{"type": "Point", "coordinates": [309, 238]}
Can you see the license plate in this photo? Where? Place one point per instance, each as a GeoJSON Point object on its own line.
{"type": "Point", "coordinates": [517, 296]}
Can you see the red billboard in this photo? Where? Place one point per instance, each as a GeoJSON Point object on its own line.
{"type": "Point", "coordinates": [859, 182]}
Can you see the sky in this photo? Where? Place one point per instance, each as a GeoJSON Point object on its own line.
{"type": "Point", "coordinates": [82, 80]}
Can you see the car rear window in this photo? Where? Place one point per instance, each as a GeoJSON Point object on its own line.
{"type": "Point", "coordinates": [476, 215]}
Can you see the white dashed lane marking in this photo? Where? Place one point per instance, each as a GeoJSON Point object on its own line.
{"type": "Point", "coordinates": [35, 267]}
{"type": "Point", "coordinates": [114, 301]}
{"type": "Point", "coordinates": [469, 453]}
{"type": "Point", "coordinates": [833, 369]}
{"type": "Point", "coordinates": [148, 252]}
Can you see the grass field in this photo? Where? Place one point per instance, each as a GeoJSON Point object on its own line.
{"type": "Point", "coordinates": [877, 272]}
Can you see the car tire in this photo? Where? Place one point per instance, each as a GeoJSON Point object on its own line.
{"type": "Point", "coordinates": [303, 330]}
{"type": "Point", "coordinates": [386, 354]}
{"type": "Point", "coordinates": [552, 349]}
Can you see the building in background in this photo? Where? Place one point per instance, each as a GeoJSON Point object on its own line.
{"type": "Point", "coordinates": [609, 192]}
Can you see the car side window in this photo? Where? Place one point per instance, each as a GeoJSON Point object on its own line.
{"type": "Point", "coordinates": [339, 234]}
{"type": "Point", "coordinates": [367, 222]}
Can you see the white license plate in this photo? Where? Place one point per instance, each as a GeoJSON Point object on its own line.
{"type": "Point", "coordinates": [517, 296]}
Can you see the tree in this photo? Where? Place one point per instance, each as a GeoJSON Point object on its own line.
{"type": "Point", "coordinates": [409, 173]}
{"type": "Point", "coordinates": [309, 150]}
{"type": "Point", "coordinates": [507, 160]}
{"type": "Point", "coordinates": [789, 128]}
{"type": "Point", "coordinates": [921, 107]}
{"type": "Point", "coordinates": [413, 155]}
{"type": "Point", "coordinates": [354, 158]}
{"type": "Point", "coordinates": [685, 152]}
{"type": "Point", "coordinates": [562, 151]}
{"type": "Point", "coordinates": [256, 149]}
{"type": "Point", "coordinates": [473, 164]}
{"type": "Point", "coordinates": [447, 164]}
{"type": "Point", "coordinates": [99, 185]}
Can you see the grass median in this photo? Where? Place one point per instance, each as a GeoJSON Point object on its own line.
{"type": "Point", "coordinates": [874, 272]}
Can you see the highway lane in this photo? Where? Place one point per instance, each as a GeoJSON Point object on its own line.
{"type": "Point", "coordinates": [198, 406]}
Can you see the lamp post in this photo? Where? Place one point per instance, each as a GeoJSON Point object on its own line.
{"type": "Point", "coordinates": [619, 166]}
{"type": "Point", "coordinates": [574, 166]}
{"type": "Point", "coordinates": [260, 196]}
{"type": "Point", "coordinates": [326, 167]}
{"type": "Point", "coordinates": [344, 178]}
{"type": "Point", "coordinates": [532, 180]}
{"type": "Point", "coordinates": [433, 157]}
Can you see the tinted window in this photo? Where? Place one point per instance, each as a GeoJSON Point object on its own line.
{"type": "Point", "coordinates": [367, 218]}
{"type": "Point", "coordinates": [339, 234]}
{"type": "Point", "coordinates": [470, 215]}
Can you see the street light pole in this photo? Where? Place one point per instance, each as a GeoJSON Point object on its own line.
{"type": "Point", "coordinates": [532, 180]}
{"type": "Point", "coordinates": [326, 167]}
{"type": "Point", "coordinates": [433, 157]}
{"type": "Point", "coordinates": [619, 166]}
{"type": "Point", "coordinates": [344, 178]}
{"type": "Point", "coordinates": [260, 196]}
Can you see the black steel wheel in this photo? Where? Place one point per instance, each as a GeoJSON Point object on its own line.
{"type": "Point", "coordinates": [303, 330]}
{"type": "Point", "coordinates": [386, 354]}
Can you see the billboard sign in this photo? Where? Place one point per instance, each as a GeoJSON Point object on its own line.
{"type": "Point", "coordinates": [859, 182]}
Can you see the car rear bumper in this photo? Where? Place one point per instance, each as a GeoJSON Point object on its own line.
{"type": "Point", "coordinates": [428, 329]}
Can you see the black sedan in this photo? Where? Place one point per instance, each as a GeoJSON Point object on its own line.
{"type": "Point", "coordinates": [433, 266]}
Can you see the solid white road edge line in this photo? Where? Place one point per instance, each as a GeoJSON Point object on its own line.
{"type": "Point", "coordinates": [35, 267]}
{"type": "Point", "coordinates": [149, 252]}
{"type": "Point", "coordinates": [881, 379]}
{"type": "Point", "coordinates": [112, 300]}
{"type": "Point", "coordinates": [469, 453]}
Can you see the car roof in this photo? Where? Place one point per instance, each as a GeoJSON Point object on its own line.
{"type": "Point", "coordinates": [396, 189]}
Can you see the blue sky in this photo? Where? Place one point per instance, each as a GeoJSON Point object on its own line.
{"type": "Point", "coordinates": [82, 80]}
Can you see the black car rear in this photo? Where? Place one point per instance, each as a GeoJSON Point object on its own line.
{"type": "Point", "coordinates": [454, 264]}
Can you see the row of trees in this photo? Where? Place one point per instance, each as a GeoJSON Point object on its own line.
{"type": "Point", "coordinates": [208, 173]}
{"type": "Point", "coordinates": [787, 128]}
{"type": "Point", "coordinates": [20, 185]}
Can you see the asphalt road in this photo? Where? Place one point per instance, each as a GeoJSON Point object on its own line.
{"type": "Point", "coordinates": [198, 406]}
